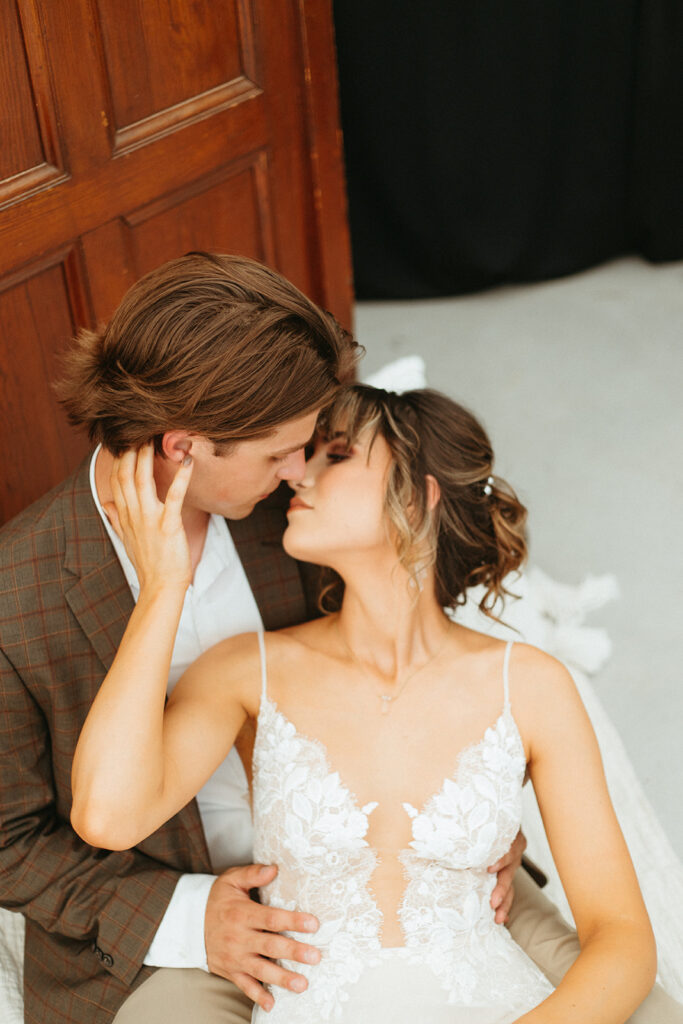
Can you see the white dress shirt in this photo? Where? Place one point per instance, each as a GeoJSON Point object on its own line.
{"type": "Point", "coordinates": [218, 604]}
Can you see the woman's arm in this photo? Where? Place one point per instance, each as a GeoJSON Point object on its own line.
{"type": "Point", "coordinates": [136, 764]}
{"type": "Point", "coordinates": [617, 964]}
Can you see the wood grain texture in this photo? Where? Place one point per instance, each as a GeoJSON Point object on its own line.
{"type": "Point", "coordinates": [138, 132]}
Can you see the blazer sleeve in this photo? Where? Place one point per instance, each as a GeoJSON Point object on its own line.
{"type": "Point", "coordinates": [113, 900]}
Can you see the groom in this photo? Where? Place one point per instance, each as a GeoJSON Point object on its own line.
{"type": "Point", "coordinates": [223, 357]}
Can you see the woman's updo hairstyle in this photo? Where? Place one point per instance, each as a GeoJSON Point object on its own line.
{"type": "Point", "coordinates": [475, 535]}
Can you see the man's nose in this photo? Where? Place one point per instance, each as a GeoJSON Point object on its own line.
{"type": "Point", "coordinates": [294, 469]}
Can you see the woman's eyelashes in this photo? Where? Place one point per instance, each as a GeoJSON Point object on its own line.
{"type": "Point", "coordinates": [338, 456]}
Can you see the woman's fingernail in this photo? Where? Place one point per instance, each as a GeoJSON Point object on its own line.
{"type": "Point", "coordinates": [187, 461]}
{"type": "Point", "coordinates": [297, 984]}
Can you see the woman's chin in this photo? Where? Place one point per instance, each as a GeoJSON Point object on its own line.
{"type": "Point", "coordinates": [297, 547]}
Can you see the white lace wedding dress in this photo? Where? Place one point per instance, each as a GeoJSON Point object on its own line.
{"type": "Point", "coordinates": [456, 965]}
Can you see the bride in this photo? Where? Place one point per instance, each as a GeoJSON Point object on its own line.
{"type": "Point", "coordinates": [386, 744]}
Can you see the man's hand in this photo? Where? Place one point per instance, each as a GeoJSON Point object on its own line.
{"type": "Point", "coordinates": [505, 868]}
{"type": "Point", "coordinates": [243, 937]}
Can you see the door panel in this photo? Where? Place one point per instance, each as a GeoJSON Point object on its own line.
{"type": "Point", "coordinates": [136, 132]}
{"type": "Point", "coordinates": [36, 308]}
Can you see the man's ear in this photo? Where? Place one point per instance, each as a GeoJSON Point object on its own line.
{"type": "Point", "coordinates": [433, 491]}
{"type": "Point", "coordinates": [176, 444]}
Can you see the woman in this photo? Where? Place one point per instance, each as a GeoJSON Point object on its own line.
{"type": "Point", "coordinates": [391, 743]}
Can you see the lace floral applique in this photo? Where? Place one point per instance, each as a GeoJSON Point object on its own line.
{"type": "Point", "coordinates": [308, 823]}
{"type": "Point", "coordinates": [445, 913]}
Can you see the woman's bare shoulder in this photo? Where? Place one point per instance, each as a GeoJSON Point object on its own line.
{"type": "Point", "coordinates": [536, 672]}
{"type": "Point", "coordinates": [543, 693]}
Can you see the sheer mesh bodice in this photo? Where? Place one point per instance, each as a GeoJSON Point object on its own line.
{"type": "Point", "coordinates": [308, 823]}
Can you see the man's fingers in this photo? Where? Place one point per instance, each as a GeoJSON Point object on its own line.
{"type": "Point", "coordinates": [504, 908]}
{"type": "Point", "coordinates": [280, 947]}
{"type": "Point", "coordinates": [273, 974]}
{"type": "Point", "coordinates": [503, 886]}
{"type": "Point", "coordinates": [271, 919]}
{"type": "Point", "coordinates": [250, 876]}
{"type": "Point", "coordinates": [251, 988]}
{"type": "Point", "coordinates": [513, 856]}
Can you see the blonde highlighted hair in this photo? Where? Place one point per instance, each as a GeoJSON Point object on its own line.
{"type": "Point", "coordinates": [475, 534]}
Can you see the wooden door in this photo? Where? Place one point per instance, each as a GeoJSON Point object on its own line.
{"type": "Point", "coordinates": [131, 133]}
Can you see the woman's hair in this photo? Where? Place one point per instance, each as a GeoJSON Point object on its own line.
{"type": "Point", "coordinates": [218, 345]}
{"type": "Point", "coordinates": [475, 533]}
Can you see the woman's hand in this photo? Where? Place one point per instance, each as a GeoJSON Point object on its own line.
{"type": "Point", "coordinates": [152, 530]}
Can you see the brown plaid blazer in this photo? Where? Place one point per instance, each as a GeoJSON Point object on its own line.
{"type": "Point", "coordinates": [64, 603]}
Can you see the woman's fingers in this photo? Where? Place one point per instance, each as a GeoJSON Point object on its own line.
{"type": "Point", "coordinates": [178, 489]}
{"type": "Point", "coordinates": [120, 502]}
{"type": "Point", "coordinates": [112, 515]}
{"type": "Point", "coordinates": [152, 530]}
{"type": "Point", "coordinates": [123, 486]}
{"type": "Point", "coordinates": [145, 487]}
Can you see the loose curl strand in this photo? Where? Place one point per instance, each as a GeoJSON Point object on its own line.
{"type": "Point", "coordinates": [472, 537]}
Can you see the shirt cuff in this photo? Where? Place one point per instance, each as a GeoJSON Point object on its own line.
{"type": "Point", "coordinates": [179, 940]}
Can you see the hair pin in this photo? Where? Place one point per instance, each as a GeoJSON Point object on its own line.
{"type": "Point", "coordinates": [488, 486]}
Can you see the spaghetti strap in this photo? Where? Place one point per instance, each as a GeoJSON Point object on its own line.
{"type": "Point", "coordinates": [264, 676]}
{"type": "Point", "coordinates": [506, 680]}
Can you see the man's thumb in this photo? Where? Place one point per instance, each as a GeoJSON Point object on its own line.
{"type": "Point", "coordinates": [253, 875]}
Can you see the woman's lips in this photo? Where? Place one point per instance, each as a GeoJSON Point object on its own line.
{"type": "Point", "coordinates": [297, 503]}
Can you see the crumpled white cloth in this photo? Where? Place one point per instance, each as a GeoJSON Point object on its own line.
{"type": "Point", "coordinates": [401, 375]}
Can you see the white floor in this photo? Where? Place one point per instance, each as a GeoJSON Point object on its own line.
{"type": "Point", "coordinates": [580, 384]}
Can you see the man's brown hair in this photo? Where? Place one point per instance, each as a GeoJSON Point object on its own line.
{"type": "Point", "coordinates": [218, 345]}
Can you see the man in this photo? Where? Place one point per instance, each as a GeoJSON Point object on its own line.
{"type": "Point", "coordinates": [220, 356]}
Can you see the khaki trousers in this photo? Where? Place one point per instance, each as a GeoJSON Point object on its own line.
{"type": "Point", "coordinates": [188, 996]}
{"type": "Point", "coordinates": [185, 995]}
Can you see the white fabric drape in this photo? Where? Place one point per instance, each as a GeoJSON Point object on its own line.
{"type": "Point", "coordinates": [551, 615]}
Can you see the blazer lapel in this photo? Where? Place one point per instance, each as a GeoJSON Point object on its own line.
{"type": "Point", "coordinates": [101, 601]}
{"type": "Point", "coordinates": [99, 597]}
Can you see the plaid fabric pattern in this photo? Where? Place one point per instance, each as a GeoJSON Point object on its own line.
{"type": "Point", "coordinates": [64, 603]}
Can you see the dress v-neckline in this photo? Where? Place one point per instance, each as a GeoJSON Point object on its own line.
{"type": "Point", "coordinates": [366, 809]}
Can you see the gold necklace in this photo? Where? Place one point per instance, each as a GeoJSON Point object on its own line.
{"type": "Point", "coordinates": [388, 699]}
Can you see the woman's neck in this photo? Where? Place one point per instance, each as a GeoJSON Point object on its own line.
{"type": "Point", "coordinates": [388, 623]}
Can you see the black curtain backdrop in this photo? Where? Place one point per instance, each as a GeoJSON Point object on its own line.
{"type": "Point", "coordinates": [490, 141]}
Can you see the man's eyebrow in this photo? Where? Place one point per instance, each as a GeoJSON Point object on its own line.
{"type": "Point", "coordinates": [293, 448]}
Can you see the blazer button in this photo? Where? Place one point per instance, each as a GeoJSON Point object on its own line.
{"type": "Point", "coordinates": [107, 960]}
